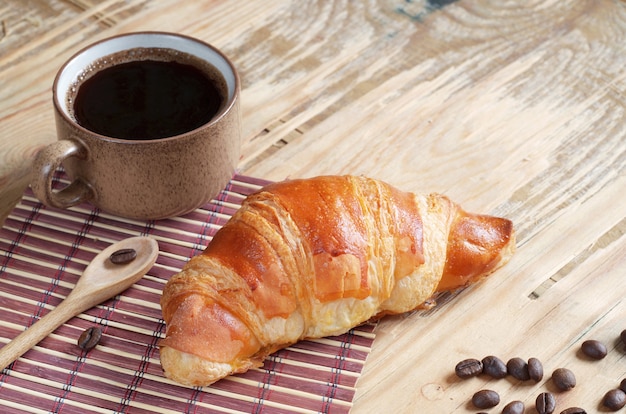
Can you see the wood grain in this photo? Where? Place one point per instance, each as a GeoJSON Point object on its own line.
{"type": "Point", "coordinates": [513, 108]}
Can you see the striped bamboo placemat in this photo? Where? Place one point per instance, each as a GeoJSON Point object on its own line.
{"type": "Point", "coordinates": [45, 250]}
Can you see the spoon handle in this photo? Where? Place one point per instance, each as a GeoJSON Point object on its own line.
{"type": "Point", "coordinates": [34, 334]}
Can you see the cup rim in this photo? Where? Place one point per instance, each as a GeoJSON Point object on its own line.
{"type": "Point", "coordinates": [58, 97]}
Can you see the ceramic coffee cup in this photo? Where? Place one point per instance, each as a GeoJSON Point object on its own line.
{"type": "Point", "coordinates": [143, 169]}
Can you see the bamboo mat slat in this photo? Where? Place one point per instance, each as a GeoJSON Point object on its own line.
{"type": "Point", "coordinates": [44, 252]}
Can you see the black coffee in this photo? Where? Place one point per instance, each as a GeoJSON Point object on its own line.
{"type": "Point", "coordinates": [146, 99]}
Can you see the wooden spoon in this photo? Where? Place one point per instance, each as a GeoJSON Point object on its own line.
{"type": "Point", "coordinates": [100, 281]}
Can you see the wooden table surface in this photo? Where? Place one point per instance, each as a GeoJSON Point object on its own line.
{"type": "Point", "coordinates": [515, 108]}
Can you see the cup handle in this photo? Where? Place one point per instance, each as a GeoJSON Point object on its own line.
{"type": "Point", "coordinates": [45, 164]}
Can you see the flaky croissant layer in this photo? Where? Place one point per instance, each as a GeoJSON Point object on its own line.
{"type": "Point", "coordinates": [316, 257]}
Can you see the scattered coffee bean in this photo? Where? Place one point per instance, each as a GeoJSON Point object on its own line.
{"type": "Point", "coordinates": [594, 349]}
{"type": "Point", "coordinates": [535, 369]}
{"type": "Point", "coordinates": [545, 403]}
{"type": "Point", "coordinates": [514, 407]}
{"type": "Point", "coordinates": [614, 399]}
{"type": "Point", "coordinates": [622, 385]}
{"type": "Point", "coordinates": [468, 368]}
{"type": "Point", "coordinates": [89, 338]}
{"type": "Point", "coordinates": [494, 367]}
{"type": "Point", "coordinates": [623, 336]}
{"type": "Point", "coordinates": [485, 399]}
{"type": "Point", "coordinates": [518, 368]}
{"type": "Point", "coordinates": [564, 379]}
{"type": "Point", "coordinates": [123, 256]}
{"type": "Point", "coordinates": [573, 410]}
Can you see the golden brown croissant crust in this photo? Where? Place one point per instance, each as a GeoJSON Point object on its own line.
{"type": "Point", "coordinates": [316, 257]}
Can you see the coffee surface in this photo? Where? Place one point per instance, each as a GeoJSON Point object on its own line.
{"type": "Point", "coordinates": [146, 99]}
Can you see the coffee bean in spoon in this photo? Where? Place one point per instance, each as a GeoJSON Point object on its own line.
{"type": "Point", "coordinates": [123, 256]}
{"type": "Point", "coordinates": [485, 399]}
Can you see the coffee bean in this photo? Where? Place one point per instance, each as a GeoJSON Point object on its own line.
{"type": "Point", "coordinates": [123, 256]}
{"type": "Point", "coordinates": [518, 368]}
{"type": "Point", "coordinates": [594, 349]}
{"type": "Point", "coordinates": [623, 336]}
{"type": "Point", "coordinates": [514, 407]}
{"type": "Point", "coordinates": [573, 410]}
{"type": "Point", "coordinates": [468, 368]}
{"type": "Point", "coordinates": [564, 379]}
{"type": "Point", "coordinates": [622, 385]}
{"type": "Point", "coordinates": [485, 399]}
{"type": "Point", "coordinates": [614, 399]}
{"type": "Point", "coordinates": [89, 338]}
{"type": "Point", "coordinates": [545, 403]}
{"type": "Point", "coordinates": [494, 367]}
{"type": "Point", "coordinates": [535, 369]}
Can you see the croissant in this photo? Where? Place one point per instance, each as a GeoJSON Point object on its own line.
{"type": "Point", "coordinates": [316, 257]}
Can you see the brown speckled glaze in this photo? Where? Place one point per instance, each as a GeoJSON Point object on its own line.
{"type": "Point", "coordinates": [142, 179]}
